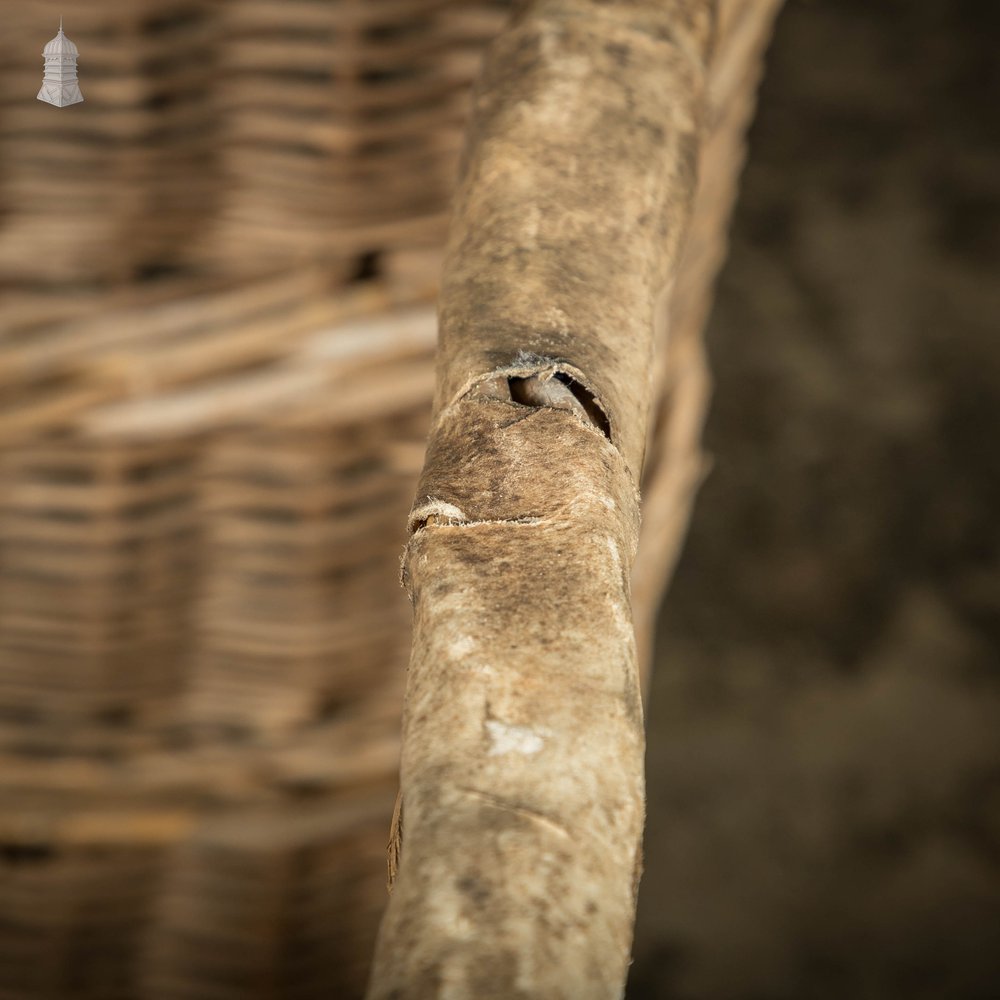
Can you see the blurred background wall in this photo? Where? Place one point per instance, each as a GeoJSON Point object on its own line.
{"type": "Point", "coordinates": [824, 799]}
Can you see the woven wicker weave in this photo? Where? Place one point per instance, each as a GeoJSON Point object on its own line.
{"type": "Point", "coordinates": [341, 124]}
{"type": "Point", "coordinates": [204, 477]}
{"type": "Point", "coordinates": [123, 182]}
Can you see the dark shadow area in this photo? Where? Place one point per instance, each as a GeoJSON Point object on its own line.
{"type": "Point", "coordinates": [824, 781]}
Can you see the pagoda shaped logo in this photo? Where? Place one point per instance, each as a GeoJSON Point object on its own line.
{"type": "Point", "coordinates": [60, 86]}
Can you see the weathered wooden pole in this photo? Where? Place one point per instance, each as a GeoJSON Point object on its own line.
{"type": "Point", "coordinates": [522, 766]}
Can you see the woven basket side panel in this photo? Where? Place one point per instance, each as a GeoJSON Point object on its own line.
{"type": "Point", "coordinates": [232, 137]}
{"type": "Point", "coordinates": [75, 916]}
{"type": "Point", "coordinates": [300, 610]}
{"type": "Point", "coordinates": [340, 126]}
{"type": "Point", "coordinates": [97, 571]}
{"type": "Point", "coordinates": [160, 562]}
{"type": "Point", "coordinates": [272, 903]}
{"type": "Point", "coordinates": [119, 184]}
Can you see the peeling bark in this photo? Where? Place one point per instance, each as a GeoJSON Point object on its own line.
{"type": "Point", "coordinates": [522, 768]}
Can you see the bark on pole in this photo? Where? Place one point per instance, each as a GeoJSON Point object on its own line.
{"type": "Point", "coordinates": [522, 765]}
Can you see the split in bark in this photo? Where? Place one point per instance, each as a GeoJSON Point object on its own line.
{"type": "Point", "coordinates": [522, 768]}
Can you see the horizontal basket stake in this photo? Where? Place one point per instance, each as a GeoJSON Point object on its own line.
{"type": "Point", "coordinates": [516, 847]}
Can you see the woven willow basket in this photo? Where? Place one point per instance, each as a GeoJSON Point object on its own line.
{"type": "Point", "coordinates": [217, 325]}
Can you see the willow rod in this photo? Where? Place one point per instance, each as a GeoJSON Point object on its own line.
{"type": "Point", "coordinates": [522, 765]}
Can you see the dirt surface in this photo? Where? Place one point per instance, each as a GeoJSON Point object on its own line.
{"type": "Point", "coordinates": [824, 774]}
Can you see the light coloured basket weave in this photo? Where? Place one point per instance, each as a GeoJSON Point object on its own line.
{"type": "Point", "coordinates": [121, 183]}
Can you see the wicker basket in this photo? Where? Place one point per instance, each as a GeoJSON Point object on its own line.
{"type": "Point", "coordinates": [120, 185]}
{"type": "Point", "coordinates": [341, 125]}
{"type": "Point", "coordinates": [204, 477]}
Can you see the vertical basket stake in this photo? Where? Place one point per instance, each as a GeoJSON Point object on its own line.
{"type": "Point", "coordinates": [522, 765]}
